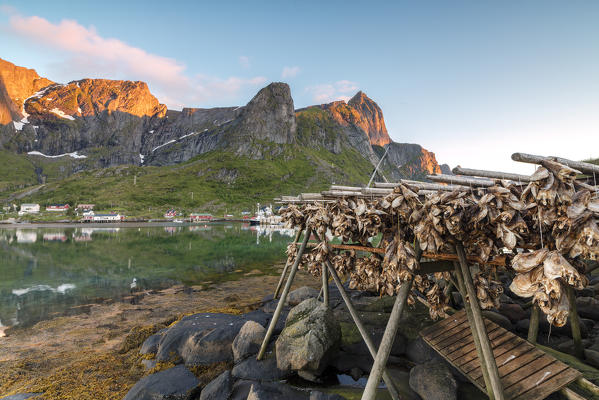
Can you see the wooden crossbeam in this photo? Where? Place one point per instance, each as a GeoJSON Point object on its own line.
{"type": "Point", "coordinates": [498, 261]}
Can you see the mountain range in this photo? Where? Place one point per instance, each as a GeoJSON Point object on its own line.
{"type": "Point", "coordinates": [55, 134]}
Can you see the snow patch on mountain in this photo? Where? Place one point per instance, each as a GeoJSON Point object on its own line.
{"type": "Point", "coordinates": [61, 114]}
{"type": "Point", "coordinates": [73, 155]}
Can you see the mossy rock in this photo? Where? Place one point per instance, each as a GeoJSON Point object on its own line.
{"type": "Point", "coordinates": [349, 334]}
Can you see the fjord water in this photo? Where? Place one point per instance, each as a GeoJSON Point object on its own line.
{"type": "Point", "coordinates": [47, 272]}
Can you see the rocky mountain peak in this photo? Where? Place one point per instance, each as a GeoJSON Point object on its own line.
{"type": "Point", "coordinates": [372, 121]}
{"type": "Point", "coordinates": [90, 97]}
{"type": "Point", "coordinates": [358, 98]}
{"type": "Point", "coordinates": [270, 115]}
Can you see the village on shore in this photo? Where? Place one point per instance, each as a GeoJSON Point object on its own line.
{"type": "Point", "coordinates": [87, 213]}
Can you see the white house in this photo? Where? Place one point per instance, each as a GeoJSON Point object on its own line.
{"type": "Point", "coordinates": [90, 216]}
{"type": "Point", "coordinates": [28, 208]}
{"type": "Point", "coordinates": [108, 217]}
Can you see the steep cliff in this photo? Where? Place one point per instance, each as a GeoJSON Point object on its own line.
{"type": "Point", "coordinates": [257, 130]}
{"type": "Point", "coordinates": [412, 160]}
{"type": "Point", "coordinates": [8, 110]}
{"type": "Point", "coordinates": [360, 123]}
{"type": "Point", "coordinates": [105, 117]}
{"type": "Point", "coordinates": [19, 83]}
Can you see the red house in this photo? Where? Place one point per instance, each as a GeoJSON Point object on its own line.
{"type": "Point", "coordinates": [57, 207]}
{"type": "Point", "coordinates": [170, 213]}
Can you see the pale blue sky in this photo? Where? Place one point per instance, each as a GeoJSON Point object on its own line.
{"type": "Point", "coordinates": [472, 81]}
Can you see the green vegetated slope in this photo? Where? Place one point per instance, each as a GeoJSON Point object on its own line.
{"type": "Point", "coordinates": [218, 180]}
{"type": "Point", "coordinates": [16, 171]}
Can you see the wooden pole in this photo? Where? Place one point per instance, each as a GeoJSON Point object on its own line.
{"type": "Point", "coordinates": [579, 165]}
{"type": "Point", "coordinates": [487, 351]}
{"type": "Point", "coordinates": [491, 174]}
{"type": "Point", "coordinates": [588, 385]}
{"type": "Point", "coordinates": [462, 180]}
{"type": "Point", "coordinates": [380, 361]}
{"type": "Point", "coordinates": [569, 394]}
{"type": "Point", "coordinates": [575, 324]}
{"type": "Point", "coordinates": [325, 284]}
{"type": "Point", "coordinates": [282, 278]}
{"type": "Point", "coordinates": [475, 336]}
{"type": "Point", "coordinates": [362, 329]}
{"type": "Point", "coordinates": [421, 185]}
{"type": "Point", "coordinates": [283, 299]}
{"type": "Point", "coordinates": [387, 342]}
{"type": "Point", "coordinates": [533, 326]}
{"type": "Point", "coordinates": [497, 261]}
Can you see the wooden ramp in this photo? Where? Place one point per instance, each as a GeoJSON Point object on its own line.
{"type": "Point", "coordinates": [526, 372]}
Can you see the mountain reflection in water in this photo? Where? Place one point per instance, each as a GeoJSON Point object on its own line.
{"type": "Point", "coordinates": [48, 272]}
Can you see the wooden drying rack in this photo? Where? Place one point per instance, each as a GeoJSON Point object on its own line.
{"type": "Point", "coordinates": [485, 355]}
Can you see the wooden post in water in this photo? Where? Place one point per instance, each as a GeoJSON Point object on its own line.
{"type": "Point", "coordinates": [533, 327]}
{"type": "Point", "coordinates": [575, 324]}
{"type": "Point", "coordinates": [282, 278]}
{"type": "Point", "coordinates": [283, 299]}
{"type": "Point", "coordinates": [380, 361]}
{"type": "Point", "coordinates": [362, 329]}
{"type": "Point", "coordinates": [475, 336]}
{"type": "Point", "coordinates": [325, 284]}
{"type": "Point", "coordinates": [479, 325]}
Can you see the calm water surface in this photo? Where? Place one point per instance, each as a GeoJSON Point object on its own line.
{"type": "Point", "coordinates": [45, 272]}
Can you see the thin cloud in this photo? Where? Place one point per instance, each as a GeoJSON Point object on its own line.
{"type": "Point", "coordinates": [244, 61]}
{"type": "Point", "coordinates": [290, 72]}
{"type": "Point", "coordinates": [327, 92]}
{"type": "Point", "coordinates": [89, 52]}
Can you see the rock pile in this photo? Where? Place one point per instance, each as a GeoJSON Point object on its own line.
{"type": "Point", "coordinates": [319, 350]}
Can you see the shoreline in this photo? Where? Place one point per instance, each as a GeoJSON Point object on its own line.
{"type": "Point", "coordinates": [53, 355]}
{"type": "Point", "coordinates": [125, 224]}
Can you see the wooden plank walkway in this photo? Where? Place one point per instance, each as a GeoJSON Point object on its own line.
{"type": "Point", "coordinates": [526, 372]}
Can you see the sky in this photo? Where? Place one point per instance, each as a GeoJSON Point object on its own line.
{"type": "Point", "coordinates": [472, 81]}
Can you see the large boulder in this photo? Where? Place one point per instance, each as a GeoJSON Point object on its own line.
{"type": "Point", "coordinates": [298, 295]}
{"type": "Point", "coordinates": [248, 340]}
{"type": "Point", "coordinates": [420, 352]}
{"type": "Point", "coordinates": [205, 338]}
{"type": "Point", "coordinates": [433, 380]}
{"type": "Point", "coordinates": [176, 383]}
{"type": "Point", "coordinates": [150, 345]}
{"type": "Point", "coordinates": [219, 389]}
{"type": "Point", "coordinates": [311, 335]}
{"type": "Point", "coordinates": [513, 311]}
{"type": "Point", "coordinates": [263, 370]}
{"type": "Point", "coordinates": [498, 318]}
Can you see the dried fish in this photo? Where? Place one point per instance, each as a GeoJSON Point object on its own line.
{"type": "Point", "coordinates": [553, 213]}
